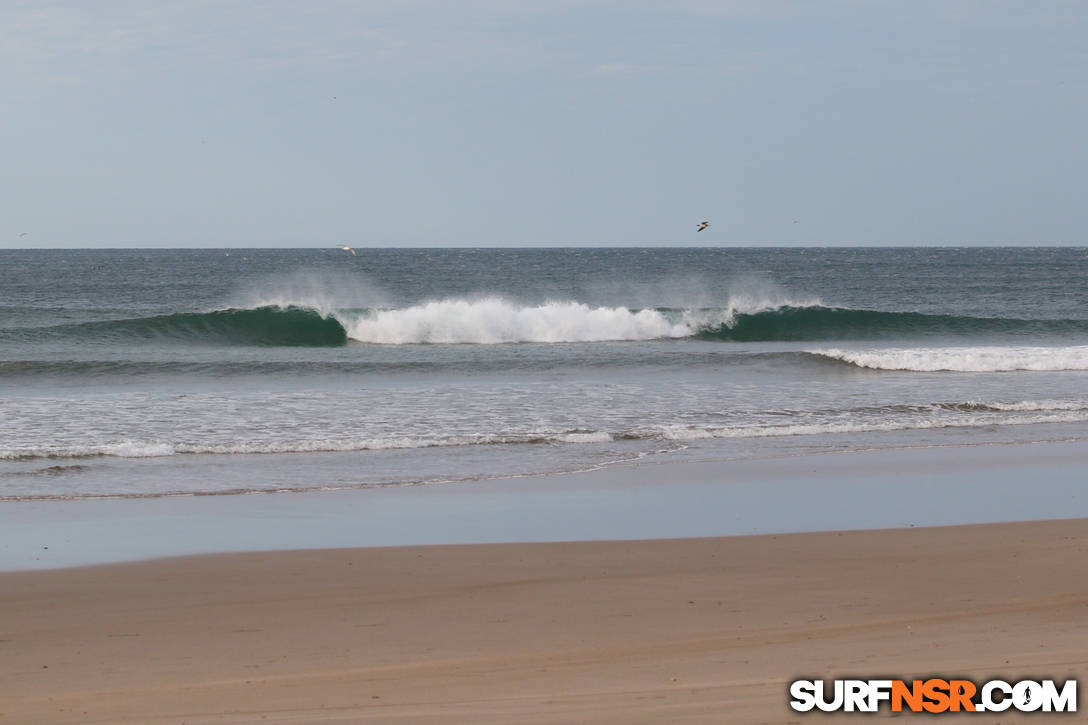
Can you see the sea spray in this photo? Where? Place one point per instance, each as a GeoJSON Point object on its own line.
{"type": "Point", "coordinates": [150, 366]}
{"type": "Point", "coordinates": [326, 292]}
{"type": "Point", "coordinates": [494, 320]}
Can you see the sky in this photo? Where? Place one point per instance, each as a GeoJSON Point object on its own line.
{"type": "Point", "coordinates": [403, 123]}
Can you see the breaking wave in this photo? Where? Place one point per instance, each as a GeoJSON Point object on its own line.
{"type": "Point", "coordinates": [157, 449]}
{"type": "Point", "coordinates": [757, 424]}
{"type": "Point", "coordinates": [817, 322]}
{"type": "Point", "coordinates": [269, 325]}
{"type": "Point", "coordinates": [495, 320]}
{"type": "Point", "coordinates": [965, 359]}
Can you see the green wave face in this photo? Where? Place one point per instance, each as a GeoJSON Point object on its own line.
{"type": "Point", "coordinates": [305, 327]}
{"type": "Point", "coordinates": [264, 326]}
{"type": "Point", "coordinates": [831, 323]}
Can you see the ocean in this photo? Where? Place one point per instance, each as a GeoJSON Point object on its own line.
{"type": "Point", "coordinates": [144, 373]}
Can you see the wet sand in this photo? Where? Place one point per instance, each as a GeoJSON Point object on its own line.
{"type": "Point", "coordinates": [661, 499]}
{"type": "Point", "coordinates": [651, 631]}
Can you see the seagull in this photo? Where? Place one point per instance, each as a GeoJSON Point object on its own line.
{"type": "Point", "coordinates": [22, 234]}
{"type": "Point", "coordinates": [702, 226]}
{"type": "Point", "coordinates": [346, 248]}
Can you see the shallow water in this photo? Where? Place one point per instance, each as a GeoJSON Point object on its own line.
{"type": "Point", "coordinates": [153, 372]}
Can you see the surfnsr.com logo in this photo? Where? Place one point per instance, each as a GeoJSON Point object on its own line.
{"type": "Point", "coordinates": [935, 695]}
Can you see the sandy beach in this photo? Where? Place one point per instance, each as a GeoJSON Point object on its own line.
{"type": "Point", "coordinates": [543, 363]}
{"type": "Point", "coordinates": [691, 630]}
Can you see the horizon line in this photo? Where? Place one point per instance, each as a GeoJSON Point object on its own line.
{"type": "Point", "coordinates": [617, 245]}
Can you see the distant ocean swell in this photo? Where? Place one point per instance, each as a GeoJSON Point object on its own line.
{"type": "Point", "coordinates": [755, 424]}
{"type": "Point", "coordinates": [496, 320]}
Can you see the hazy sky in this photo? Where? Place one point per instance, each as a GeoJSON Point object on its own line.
{"type": "Point", "coordinates": [196, 123]}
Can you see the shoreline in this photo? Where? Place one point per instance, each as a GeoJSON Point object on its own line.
{"type": "Point", "coordinates": [668, 630]}
{"type": "Point", "coordinates": [866, 489]}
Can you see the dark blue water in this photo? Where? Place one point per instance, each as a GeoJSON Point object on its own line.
{"type": "Point", "coordinates": [146, 372]}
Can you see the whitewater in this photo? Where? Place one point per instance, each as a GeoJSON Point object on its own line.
{"type": "Point", "coordinates": [176, 372]}
{"type": "Point", "coordinates": [494, 320]}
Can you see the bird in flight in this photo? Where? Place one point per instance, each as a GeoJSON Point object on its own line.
{"type": "Point", "coordinates": [702, 226]}
{"type": "Point", "coordinates": [22, 234]}
{"type": "Point", "coordinates": [346, 248]}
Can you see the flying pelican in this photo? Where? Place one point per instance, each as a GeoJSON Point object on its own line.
{"type": "Point", "coordinates": [702, 226]}
{"type": "Point", "coordinates": [346, 248]}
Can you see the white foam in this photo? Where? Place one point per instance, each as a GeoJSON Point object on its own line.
{"type": "Point", "coordinates": [150, 449]}
{"type": "Point", "coordinates": [590, 437]}
{"type": "Point", "coordinates": [138, 449]}
{"type": "Point", "coordinates": [120, 449]}
{"type": "Point", "coordinates": [681, 433]}
{"type": "Point", "coordinates": [495, 320]}
{"type": "Point", "coordinates": [754, 302]}
{"type": "Point", "coordinates": [965, 359]}
{"type": "Point", "coordinates": [1031, 405]}
{"type": "Point", "coordinates": [391, 443]}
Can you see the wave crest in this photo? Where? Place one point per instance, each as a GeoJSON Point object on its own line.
{"type": "Point", "coordinates": [270, 325]}
{"type": "Point", "coordinates": [965, 359]}
{"type": "Point", "coordinates": [493, 320]}
{"type": "Point", "coordinates": [816, 322]}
